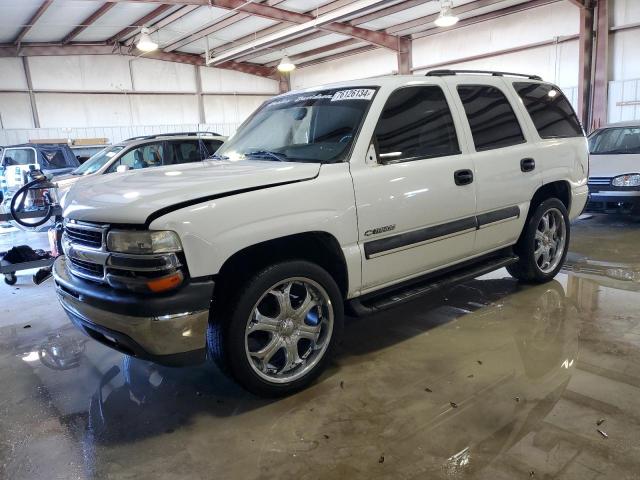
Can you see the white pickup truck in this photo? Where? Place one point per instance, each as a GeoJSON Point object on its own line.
{"type": "Point", "coordinates": [361, 194]}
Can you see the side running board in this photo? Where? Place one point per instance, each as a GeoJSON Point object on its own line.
{"type": "Point", "coordinates": [377, 301]}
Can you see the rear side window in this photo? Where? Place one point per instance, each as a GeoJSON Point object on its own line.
{"type": "Point", "coordinates": [186, 151]}
{"type": "Point", "coordinates": [416, 123]}
{"type": "Point", "coordinates": [492, 120]}
{"type": "Point", "coordinates": [550, 111]}
{"type": "Point", "coordinates": [19, 156]}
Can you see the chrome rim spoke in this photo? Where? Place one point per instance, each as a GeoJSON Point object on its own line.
{"type": "Point", "coordinates": [289, 330]}
{"type": "Point", "coordinates": [550, 240]}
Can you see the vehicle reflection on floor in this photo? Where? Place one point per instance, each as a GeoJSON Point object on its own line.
{"type": "Point", "coordinates": [490, 379]}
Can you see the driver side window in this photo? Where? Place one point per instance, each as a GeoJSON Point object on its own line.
{"type": "Point", "coordinates": [416, 123]}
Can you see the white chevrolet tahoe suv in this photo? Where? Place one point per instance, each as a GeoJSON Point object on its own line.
{"type": "Point", "coordinates": [361, 194]}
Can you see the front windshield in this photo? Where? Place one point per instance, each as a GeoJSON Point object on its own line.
{"type": "Point", "coordinates": [617, 140]}
{"type": "Point", "coordinates": [97, 161]}
{"type": "Point", "coordinates": [317, 126]}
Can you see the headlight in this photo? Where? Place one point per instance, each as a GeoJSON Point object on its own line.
{"type": "Point", "coordinates": [144, 241]}
{"type": "Point", "coordinates": [631, 180]}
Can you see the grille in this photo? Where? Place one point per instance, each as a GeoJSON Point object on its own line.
{"type": "Point", "coordinates": [92, 270]}
{"type": "Point", "coordinates": [599, 181]}
{"type": "Point", "coordinates": [84, 235]}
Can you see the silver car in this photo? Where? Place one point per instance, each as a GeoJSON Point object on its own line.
{"type": "Point", "coordinates": [614, 169]}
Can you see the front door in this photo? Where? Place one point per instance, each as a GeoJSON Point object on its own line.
{"type": "Point", "coordinates": [415, 195]}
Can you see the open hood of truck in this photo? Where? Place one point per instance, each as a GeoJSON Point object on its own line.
{"type": "Point", "coordinates": [133, 196]}
{"type": "Point", "coordinates": [613, 165]}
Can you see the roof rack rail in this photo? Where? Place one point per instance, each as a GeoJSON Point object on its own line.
{"type": "Point", "coordinates": [172, 134]}
{"type": "Point", "coordinates": [445, 73]}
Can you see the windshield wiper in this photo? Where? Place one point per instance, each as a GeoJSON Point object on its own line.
{"type": "Point", "coordinates": [281, 157]}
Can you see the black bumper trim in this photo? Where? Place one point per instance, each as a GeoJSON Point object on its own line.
{"type": "Point", "coordinates": [195, 295]}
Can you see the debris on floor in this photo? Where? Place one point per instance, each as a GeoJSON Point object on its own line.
{"type": "Point", "coordinates": [381, 459]}
{"type": "Point", "coordinates": [453, 404]}
{"type": "Point", "coordinates": [604, 435]}
{"type": "Point", "coordinates": [600, 422]}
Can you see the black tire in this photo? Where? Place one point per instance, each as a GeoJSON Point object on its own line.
{"type": "Point", "coordinates": [527, 268]}
{"type": "Point", "coordinates": [229, 317]}
{"type": "Point", "coordinates": [10, 278]}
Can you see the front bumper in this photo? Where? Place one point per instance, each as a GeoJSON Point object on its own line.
{"type": "Point", "coordinates": [168, 329]}
{"type": "Point", "coordinates": [614, 202]}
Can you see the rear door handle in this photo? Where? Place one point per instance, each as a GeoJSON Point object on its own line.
{"type": "Point", "coordinates": [463, 177]}
{"type": "Point", "coordinates": [527, 164]}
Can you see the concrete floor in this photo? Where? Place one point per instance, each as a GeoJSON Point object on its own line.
{"type": "Point", "coordinates": [488, 380]}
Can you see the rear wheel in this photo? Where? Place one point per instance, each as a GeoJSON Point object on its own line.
{"type": "Point", "coordinates": [279, 332]}
{"type": "Point", "coordinates": [543, 245]}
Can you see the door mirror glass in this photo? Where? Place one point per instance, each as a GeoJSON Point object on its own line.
{"type": "Point", "coordinates": [123, 168]}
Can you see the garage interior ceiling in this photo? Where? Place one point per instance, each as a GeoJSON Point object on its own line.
{"type": "Point", "coordinates": [247, 36]}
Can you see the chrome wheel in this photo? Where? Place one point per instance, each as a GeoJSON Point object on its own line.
{"type": "Point", "coordinates": [289, 330]}
{"type": "Point", "coordinates": [550, 240]}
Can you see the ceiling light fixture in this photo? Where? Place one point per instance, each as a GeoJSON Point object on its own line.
{"type": "Point", "coordinates": [145, 42]}
{"type": "Point", "coordinates": [286, 65]}
{"type": "Point", "coordinates": [446, 17]}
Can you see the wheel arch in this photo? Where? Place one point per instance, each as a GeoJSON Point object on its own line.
{"type": "Point", "coordinates": [559, 189]}
{"type": "Point", "coordinates": [318, 247]}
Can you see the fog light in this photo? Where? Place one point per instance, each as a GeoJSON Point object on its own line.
{"type": "Point", "coordinates": [163, 284]}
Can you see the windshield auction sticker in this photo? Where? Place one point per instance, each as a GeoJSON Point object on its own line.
{"type": "Point", "coordinates": [353, 94]}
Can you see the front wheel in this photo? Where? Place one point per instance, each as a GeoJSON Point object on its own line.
{"type": "Point", "coordinates": [543, 245]}
{"type": "Point", "coordinates": [279, 332]}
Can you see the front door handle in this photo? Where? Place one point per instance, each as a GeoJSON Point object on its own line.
{"type": "Point", "coordinates": [527, 164]}
{"type": "Point", "coordinates": [463, 177]}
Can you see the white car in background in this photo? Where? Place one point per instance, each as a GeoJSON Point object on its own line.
{"type": "Point", "coordinates": [614, 169]}
{"type": "Point", "coordinates": [145, 152]}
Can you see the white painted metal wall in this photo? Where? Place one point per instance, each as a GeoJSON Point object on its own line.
{"type": "Point", "coordinates": [624, 51]}
{"type": "Point", "coordinates": [111, 92]}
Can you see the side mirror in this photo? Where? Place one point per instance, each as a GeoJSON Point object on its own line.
{"type": "Point", "coordinates": [122, 168]}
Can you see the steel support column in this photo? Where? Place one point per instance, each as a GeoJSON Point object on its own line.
{"type": "Point", "coordinates": [32, 97]}
{"type": "Point", "coordinates": [599, 105]}
{"type": "Point", "coordinates": [404, 56]}
{"type": "Point", "coordinates": [585, 61]}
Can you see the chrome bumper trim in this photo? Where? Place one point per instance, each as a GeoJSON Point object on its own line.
{"type": "Point", "coordinates": [166, 335]}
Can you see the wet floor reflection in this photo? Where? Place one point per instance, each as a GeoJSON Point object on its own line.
{"type": "Point", "coordinates": [490, 379]}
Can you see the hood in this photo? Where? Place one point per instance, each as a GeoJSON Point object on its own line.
{"type": "Point", "coordinates": [613, 165]}
{"type": "Point", "coordinates": [133, 196]}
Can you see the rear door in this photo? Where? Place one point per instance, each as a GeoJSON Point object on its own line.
{"type": "Point", "coordinates": [504, 156]}
{"type": "Point", "coordinates": [414, 214]}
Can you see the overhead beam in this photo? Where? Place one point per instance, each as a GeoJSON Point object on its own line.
{"type": "Point", "coordinates": [141, 22]}
{"type": "Point", "coordinates": [308, 23]}
{"type": "Point", "coordinates": [521, 7]}
{"type": "Point", "coordinates": [318, 51]}
{"type": "Point", "coordinates": [155, 26]}
{"type": "Point", "coordinates": [210, 29]}
{"type": "Point", "coordinates": [581, 3]}
{"type": "Point", "coordinates": [280, 26]}
{"type": "Point", "coordinates": [312, 36]}
{"type": "Point", "coordinates": [32, 21]}
{"type": "Point", "coordinates": [428, 20]}
{"type": "Point", "coordinates": [104, 8]}
{"type": "Point", "coordinates": [28, 50]}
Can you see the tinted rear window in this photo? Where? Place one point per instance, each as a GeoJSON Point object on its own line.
{"type": "Point", "coordinates": [491, 118]}
{"type": "Point", "coordinates": [550, 111]}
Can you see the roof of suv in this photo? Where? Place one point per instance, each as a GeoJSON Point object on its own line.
{"type": "Point", "coordinates": [399, 80]}
{"type": "Point", "coordinates": [170, 136]}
